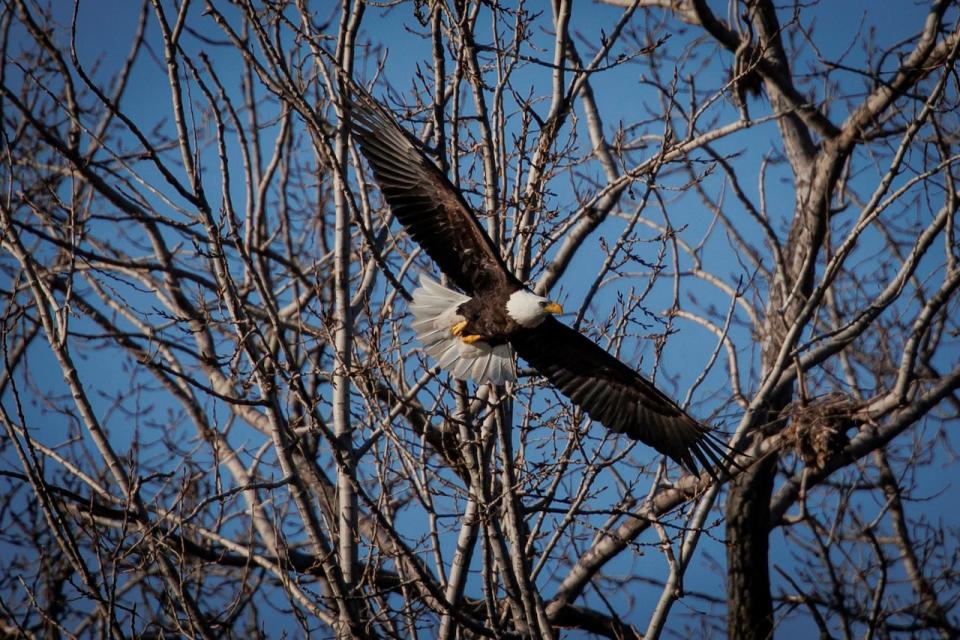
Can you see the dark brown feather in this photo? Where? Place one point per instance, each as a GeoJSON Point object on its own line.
{"type": "Point", "coordinates": [618, 397]}
{"type": "Point", "coordinates": [425, 201]}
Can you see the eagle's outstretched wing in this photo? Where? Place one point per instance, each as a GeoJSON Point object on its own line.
{"type": "Point", "coordinates": [618, 397]}
{"type": "Point", "coordinates": [424, 200]}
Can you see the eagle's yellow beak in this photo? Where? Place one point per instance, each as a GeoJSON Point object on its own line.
{"type": "Point", "coordinates": [553, 307]}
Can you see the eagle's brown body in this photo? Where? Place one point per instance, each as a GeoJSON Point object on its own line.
{"type": "Point", "coordinates": [487, 317]}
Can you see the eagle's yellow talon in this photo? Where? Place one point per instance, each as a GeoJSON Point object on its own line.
{"type": "Point", "coordinates": [458, 328]}
{"type": "Point", "coordinates": [471, 339]}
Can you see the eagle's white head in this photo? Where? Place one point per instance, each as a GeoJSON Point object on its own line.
{"type": "Point", "coordinates": [528, 309]}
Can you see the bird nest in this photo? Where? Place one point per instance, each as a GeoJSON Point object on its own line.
{"type": "Point", "coordinates": [818, 430]}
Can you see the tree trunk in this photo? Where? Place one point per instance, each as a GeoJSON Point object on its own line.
{"type": "Point", "coordinates": [750, 608]}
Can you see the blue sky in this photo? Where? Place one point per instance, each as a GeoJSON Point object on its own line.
{"type": "Point", "coordinates": [104, 30]}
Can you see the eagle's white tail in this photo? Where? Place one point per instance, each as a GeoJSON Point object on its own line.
{"type": "Point", "coordinates": [435, 309]}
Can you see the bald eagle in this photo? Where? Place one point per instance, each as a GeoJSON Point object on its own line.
{"type": "Point", "coordinates": [474, 334]}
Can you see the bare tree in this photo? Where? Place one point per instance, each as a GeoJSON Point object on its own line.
{"type": "Point", "coordinates": [217, 423]}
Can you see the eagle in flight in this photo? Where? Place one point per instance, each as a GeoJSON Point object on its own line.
{"type": "Point", "coordinates": [474, 334]}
